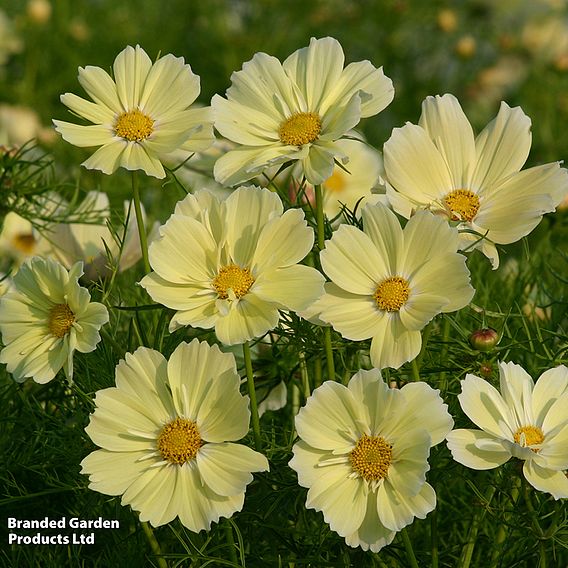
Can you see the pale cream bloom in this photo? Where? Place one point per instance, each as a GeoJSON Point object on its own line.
{"type": "Point", "coordinates": [233, 264]}
{"type": "Point", "coordinates": [44, 318]}
{"type": "Point", "coordinates": [18, 125]}
{"type": "Point", "coordinates": [363, 455]}
{"type": "Point", "coordinates": [295, 111]}
{"type": "Point", "coordinates": [475, 182]}
{"type": "Point", "coordinates": [524, 420]}
{"type": "Point", "coordinates": [167, 431]}
{"type": "Point", "coordinates": [140, 116]}
{"type": "Point", "coordinates": [350, 185]}
{"type": "Point", "coordinates": [10, 42]}
{"type": "Point", "coordinates": [19, 240]}
{"type": "Point", "coordinates": [92, 241]}
{"type": "Point", "coordinates": [387, 283]}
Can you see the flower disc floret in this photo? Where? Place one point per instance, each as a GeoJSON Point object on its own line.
{"type": "Point", "coordinates": [179, 441]}
{"type": "Point", "coordinates": [528, 436]}
{"type": "Point", "coordinates": [391, 294]}
{"type": "Point", "coordinates": [300, 128]}
{"type": "Point", "coordinates": [463, 204]}
{"type": "Point", "coordinates": [371, 457]}
{"type": "Point", "coordinates": [134, 126]}
{"type": "Point", "coordinates": [60, 320]}
{"type": "Point", "coordinates": [234, 278]}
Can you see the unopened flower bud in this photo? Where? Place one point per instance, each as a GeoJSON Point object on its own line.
{"type": "Point", "coordinates": [484, 339]}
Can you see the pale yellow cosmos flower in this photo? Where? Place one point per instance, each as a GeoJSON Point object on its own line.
{"type": "Point", "coordinates": [295, 111]}
{"type": "Point", "coordinates": [363, 455]}
{"type": "Point", "coordinates": [167, 433]}
{"type": "Point", "coordinates": [522, 419]}
{"type": "Point", "coordinates": [232, 265]}
{"type": "Point", "coordinates": [475, 182]}
{"type": "Point", "coordinates": [44, 318]}
{"type": "Point", "coordinates": [387, 282]}
{"type": "Point", "coordinates": [139, 116]}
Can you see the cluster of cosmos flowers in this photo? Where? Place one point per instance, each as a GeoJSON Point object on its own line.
{"type": "Point", "coordinates": [167, 431]}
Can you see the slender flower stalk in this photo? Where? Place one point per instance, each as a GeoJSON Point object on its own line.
{"type": "Point", "coordinates": [503, 529]}
{"type": "Point", "coordinates": [140, 223]}
{"type": "Point", "coordinates": [154, 544]}
{"type": "Point", "coordinates": [319, 217]}
{"type": "Point", "coordinates": [409, 550]}
{"type": "Point", "coordinates": [467, 551]}
{"type": "Point", "coordinates": [321, 245]}
{"type": "Point", "coordinates": [252, 395]}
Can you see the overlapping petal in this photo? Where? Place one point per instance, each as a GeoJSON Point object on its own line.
{"type": "Point", "coordinates": [267, 93]}
{"type": "Point", "coordinates": [524, 421]}
{"type": "Point", "coordinates": [347, 435]}
{"type": "Point", "coordinates": [200, 482]}
{"type": "Point", "coordinates": [159, 94]}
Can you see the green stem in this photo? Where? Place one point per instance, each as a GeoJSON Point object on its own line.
{"type": "Point", "coordinates": [231, 542]}
{"type": "Point", "coordinates": [140, 223]}
{"type": "Point", "coordinates": [434, 537]}
{"type": "Point", "coordinates": [321, 245]}
{"type": "Point", "coordinates": [467, 552]}
{"type": "Point", "coordinates": [154, 545]}
{"type": "Point", "coordinates": [415, 370]}
{"type": "Point", "coordinates": [317, 372]}
{"type": "Point", "coordinates": [444, 352]}
{"type": "Point", "coordinates": [543, 562]}
{"type": "Point", "coordinates": [409, 550]}
{"type": "Point", "coordinates": [329, 353]}
{"type": "Point", "coordinates": [319, 217]}
{"type": "Point", "coordinates": [252, 395]}
{"type": "Point", "coordinates": [503, 530]}
{"type": "Point", "coordinates": [305, 376]}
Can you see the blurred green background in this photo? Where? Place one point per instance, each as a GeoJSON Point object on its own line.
{"type": "Point", "coordinates": [483, 51]}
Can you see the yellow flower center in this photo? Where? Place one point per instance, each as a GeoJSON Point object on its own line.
{"type": "Point", "coordinates": [463, 204]}
{"type": "Point", "coordinates": [300, 128]}
{"type": "Point", "coordinates": [391, 294]}
{"type": "Point", "coordinates": [371, 457]}
{"type": "Point", "coordinates": [179, 441]}
{"type": "Point", "coordinates": [134, 126]}
{"type": "Point", "coordinates": [60, 320]}
{"type": "Point", "coordinates": [529, 436]}
{"type": "Point", "coordinates": [336, 182]}
{"type": "Point", "coordinates": [234, 278]}
{"type": "Point", "coordinates": [24, 242]}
